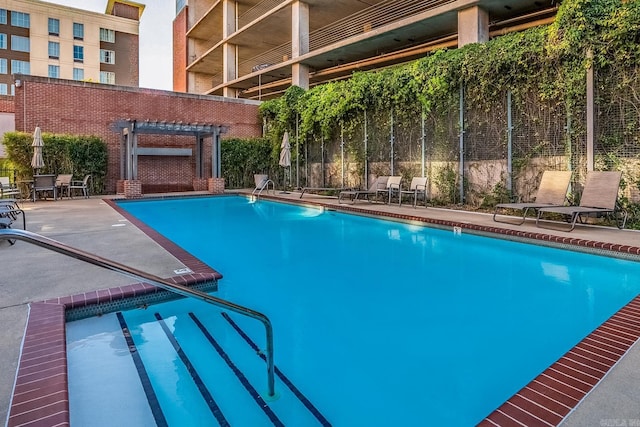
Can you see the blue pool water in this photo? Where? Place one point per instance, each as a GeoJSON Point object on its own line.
{"type": "Point", "coordinates": [377, 323]}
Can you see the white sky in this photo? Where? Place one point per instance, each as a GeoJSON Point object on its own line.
{"type": "Point", "coordinates": [156, 27]}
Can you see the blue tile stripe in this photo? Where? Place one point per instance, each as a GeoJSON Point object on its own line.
{"type": "Point", "coordinates": [252, 391]}
{"type": "Point", "coordinates": [156, 409]}
{"type": "Point", "coordinates": [306, 402]}
{"type": "Point", "coordinates": [213, 406]}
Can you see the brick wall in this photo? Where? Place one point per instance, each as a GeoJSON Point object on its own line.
{"type": "Point", "coordinates": [82, 108]}
{"type": "Point", "coordinates": [6, 104]}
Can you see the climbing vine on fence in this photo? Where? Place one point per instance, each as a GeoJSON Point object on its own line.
{"type": "Point", "coordinates": [544, 68]}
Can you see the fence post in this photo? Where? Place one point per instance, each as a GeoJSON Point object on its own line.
{"type": "Point", "coordinates": [590, 112]}
{"type": "Point", "coordinates": [324, 183]}
{"type": "Point", "coordinates": [366, 152]}
{"type": "Point", "coordinates": [391, 141]}
{"type": "Point", "coordinates": [342, 151]}
{"type": "Point", "coordinates": [509, 145]}
{"type": "Point", "coordinates": [461, 145]}
{"type": "Point", "coordinates": [423, 137]}
{"type": "Point", "coordinates": [297, 154]}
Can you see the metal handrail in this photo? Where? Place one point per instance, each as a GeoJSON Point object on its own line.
{"type": "Point", "coordinates": [81, 255]}
{"type": "Point", "coordinates": [265, 185]}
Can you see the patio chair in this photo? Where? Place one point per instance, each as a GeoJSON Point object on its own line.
{"type": "Point", "coordinates": [63, 182]}
{"type": "Point", "coordinates": [379, 183]}
{"type": "Point", "coordinates": [417, 187]}
{"type": "Point", "coordinates": [80, 185]}
{"type": "Point", "coordinates": [552, 191]}
{"type": "Point", "coordinates": [6, 189]}
{"type": "Point", "coordinates": [43, 184]}
{"type": "Point", "coordinates": [599, 197]}
{"type": "Point", "coordinates": [393, 187]}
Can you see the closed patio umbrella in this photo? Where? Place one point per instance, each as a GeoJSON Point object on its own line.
{"type": "Point", "coordinates": [285, 154]}
{"type": "Point", "coordinates": [37, 161]}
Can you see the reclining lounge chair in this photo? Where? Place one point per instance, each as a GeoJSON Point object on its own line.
{"type": "Point", "coordinates": [6, 189]}
{"type": "Point", "coordinates": [599, 197]}
{"type": "Point", "coordinates": [9, 212]}
{"type": "Point", "coordinates": [552, 191]}
{"type": "Point", "coordinates": [379, 184]}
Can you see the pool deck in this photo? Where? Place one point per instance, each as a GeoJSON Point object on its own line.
{"type": "Point", "coordinates": [31, 274]}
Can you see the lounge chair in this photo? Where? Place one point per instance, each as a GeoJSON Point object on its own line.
{"type": "Point", "coordinates": [552, 191]}
{"type": "Point", "coordinates": [8, 214]}
{"type": "Point", "coordinates": [418, 186]}
{"type": "Point", "coordinates": [599, 197]}
{"type": "Point", "coordinates": [63, 182]}
{"type": "Point", "coordinates": [393, 187]}
{"type": "Point", "coordinates": [80, 185]}
{"type": "Point", "coordinates": [6, 189]}
{"type": "Point", "coordinates": [327, 189]}
{"type": "Point", "coordinates": [379, 183]}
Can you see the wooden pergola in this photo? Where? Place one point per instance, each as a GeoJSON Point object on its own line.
{"type": "Point", "coordinates": [131, 128]}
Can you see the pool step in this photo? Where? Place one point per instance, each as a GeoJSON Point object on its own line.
{"type": "Point", "coordinates": [205, 365]}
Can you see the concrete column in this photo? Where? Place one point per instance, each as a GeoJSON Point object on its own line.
{"type": "Point", "coordinates": [229, 51]}
{"type": "Point", "coordinates": [473, 26]}
{"type": "Point", "coordinates": [299, 42]}
{"type": "Point", "coordinates": [229, 21]}
{"type": "Point", "coordinates": [300, 76]}
{"type": "Point", "coordinates": [229, 62]}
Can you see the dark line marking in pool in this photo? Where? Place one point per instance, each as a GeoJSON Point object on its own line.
{"type": "Point", "coordinates": [156, 409]}
{"type": "Point", "coordinates": [306, 402]}
{"type": "Point", "coordinates": [213, 406]}
{"type": "Point", "coordinates": [252, 391]}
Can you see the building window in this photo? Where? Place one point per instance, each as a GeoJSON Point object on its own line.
{"type": "Point", "coordinates": [3, 66]}
{"type": "Point", "coordinates": [54, 71]}
{"type": "Point", "coordinates": [20, 67]}
{"type": "Point", "coordinates": [107, 35]}
{"type": "Point", "coordinates": [78, 74]}
{"type": "Point", "coordinates": [78, 31]}
{"type": "Point", "coordinates": [3, 41]}
{"type": "Point", "coordinates": [20, 19]}
{"type": "Point", "coordinates": [54, 50]}
{"type": "Point", "coordinates": [107, 77]}
{"type": "Point", "coordinates": [19, 43]}
{"type": "Point", "coordinates": [78, 53]}
{"type": "Point", "coordinates": [54, 27]}
{"type": "Point", "coordinates": [107, 56]}
{"type": "Point", "coordinates": [3, 89]}
{"type": "Point", "coordinates": [3, 16]}
{"type": "Point", "coordinates": [179, 5]}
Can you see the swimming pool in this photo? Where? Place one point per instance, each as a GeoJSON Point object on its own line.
{"type": "Point", "coordinates": [421, 325]}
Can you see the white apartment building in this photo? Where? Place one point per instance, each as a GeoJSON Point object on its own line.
{"type": "Point", "coordinates": [49, 40]}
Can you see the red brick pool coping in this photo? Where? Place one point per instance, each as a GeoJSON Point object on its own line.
{"type": "Point", "coordinates": [40, 396]}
